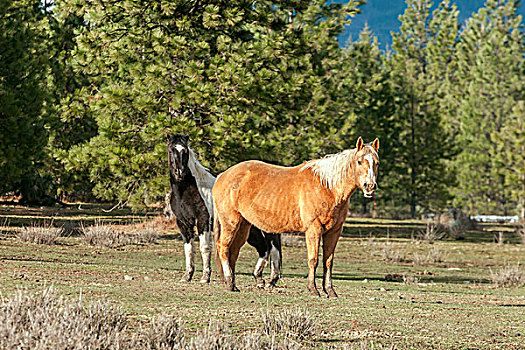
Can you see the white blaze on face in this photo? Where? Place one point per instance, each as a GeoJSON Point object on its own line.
{"type": "Point", "coordinates": [371, 177]}
{"type": "Point", "coordinates": [179, 148]}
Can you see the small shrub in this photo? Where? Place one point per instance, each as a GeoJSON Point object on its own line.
{"type": "Point", "coordinates": [217, 336]}
{"type": "Point", "coordinates": [296, 324]}
{"type": "Point", "coordinates": [520, 232]}
{"type": "Point", "coordinates": [432, 233]}
{"type": "Point", "coordinates": [113, 237]}
{"type": "Point", "coordinates": [364, 344]}
{"type": "Point", "coordinates": [46, 321]}
{"type": "Point", "coordinates": [71, 229]}
{"type": "Point", "coordinates": [104, 236]}
{"type": "Point", "coordinates": [165, 332]}
{"type": "Point", "coordinates": [432, 257]}
{"type": "Point", "coordinates": [508, 276]}
{"type": "Point", "coordinates": [410, 279]}
{"type": "Point", "coordinates": [145, 235]}
{"type": "Point", "coordinates": [388, 253]}
{"type": "Point", "coordinates": [45, 234]}
{"type": "Point", "coordinates": [455, 221]}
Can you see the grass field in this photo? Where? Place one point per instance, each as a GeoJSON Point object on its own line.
{"type": "Point", "coordinates": [445, 301]}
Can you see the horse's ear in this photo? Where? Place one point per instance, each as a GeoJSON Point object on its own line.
{"type": "Point", "coordinates": [375, 144]}
{"type": "Point", "coordinates": [359, 144]}
{"type": "Point", "coordinates": [186, 137]}
{"type": "Point", "coordinates": [168, 136]}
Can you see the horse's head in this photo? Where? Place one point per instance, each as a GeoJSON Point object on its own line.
{"type": "Point", "coordinates": [366, 161]}
{"type": "Point", "coordinates": [178, 155]}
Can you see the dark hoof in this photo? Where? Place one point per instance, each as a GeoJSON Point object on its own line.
{"type": "Point", "coordinates": [314, 292]}
{"type": "Point", "coordinates": [186, 278]}
{"type": "Point", "coordinates": [331, 293]}
{"type": "Point", "coordinates": [231, 287]}
{"type": "Point", "coordinates": [259, 282]}
{"type": "Point", "coordinates": [205, 279]}
{"type": "Point", "coordinates": [273, 282]}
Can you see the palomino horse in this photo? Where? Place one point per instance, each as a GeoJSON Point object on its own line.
{"type": "Point", "coordinates": [190, 202]}
{"type": "Point", "coordinates": [311, 198]}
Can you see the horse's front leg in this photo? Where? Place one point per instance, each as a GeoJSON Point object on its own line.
{"type": "Point", "coordinates": [313, 239]}
{"type": "Point", "coordinates": [188, 252]}
{"type": "Point", "coordinates": [330, 240]}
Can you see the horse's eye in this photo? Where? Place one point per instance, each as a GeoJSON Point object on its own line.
{"type": "Point", "coordinates": [359, 162]}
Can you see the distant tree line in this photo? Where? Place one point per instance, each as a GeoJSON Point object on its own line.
{"type": "Point", "coordinates": [88, 90]}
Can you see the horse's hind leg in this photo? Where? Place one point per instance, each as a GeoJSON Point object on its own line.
{"type": "Point", "coordinates": [238, 241]}
{"type": "Point", "coordinates": [223, 246]}
{"type": "Point", "coordinates": [204, 244]}
{"type": "Point", "coordinates": [257, 240]}
{"type": "Point", "coordinates": [275, 252]}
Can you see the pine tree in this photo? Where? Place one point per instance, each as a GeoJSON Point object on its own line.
{"type": "Point", "coordinates": [419, 69]}
{"type": "Point", "coordinates": [23, 98]}
{"type": "Point", "coordinates": [246, 80]}
{"type": "Point", "coordinates": [488, 114]}
{"type": "Point", "coordinates": [370, 100]}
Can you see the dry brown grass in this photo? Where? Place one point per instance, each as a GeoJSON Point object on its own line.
{"type": "Point", "coordinates": [297, 324]}
{"type": "Point", "coordinates": [432, 233]}
{"type": "Point", "coordinates": [165, 332]}
{"type": "Point", "coordinates": [410, 279]}
{"type": "Point", "coordinates": [291, 240]}
{"type": "Point", "coordinates": [388, 253]}
{"type": "Point", "coordinates": [40, 234]}
{"type": "Point", "coordinates": [114, 236]}
{"type": "Point", "coordinates": [47, 321]}
{"type": "Point", "coordinates": [508, 276]}
{"type": "Point", "coordinates": [520, 232]}
{"type": "Point", "coordinates": [432, 257]}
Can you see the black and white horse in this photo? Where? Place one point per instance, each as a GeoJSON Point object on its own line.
{"type": "Point", "coordinates": [191, 202]}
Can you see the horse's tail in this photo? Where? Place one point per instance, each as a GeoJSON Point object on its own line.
{"type": "Point", "coordinates": [217, 235]}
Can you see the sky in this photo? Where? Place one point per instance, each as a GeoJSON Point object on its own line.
{"type": "Point", "coordinates": [382, 18]}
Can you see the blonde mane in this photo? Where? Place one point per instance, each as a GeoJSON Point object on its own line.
{"type": "Point", "coordinates": [332, 169]}
{"type": "Point", "coordinates": [205, 180]}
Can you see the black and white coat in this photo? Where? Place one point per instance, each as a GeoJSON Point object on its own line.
{"type": "Point", "coordinates": [268, 246]}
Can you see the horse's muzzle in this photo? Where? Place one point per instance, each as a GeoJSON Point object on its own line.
{"type": "Point", "coordinates": [369, 189]}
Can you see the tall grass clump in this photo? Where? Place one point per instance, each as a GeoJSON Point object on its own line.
{"type": "Point", "coordinates": [165, 332]}
{"type": "Point", "coordinates": [508, 276]}
{"type": "Point", "coordinates": [432, 233]}
{"type": "Point", "coordinates": [113, 237]}
{"type": "Point", "coordinates": [388, 253]}
{"type": "Point", "coordinates": [104, 236]}
{"type": "Point", "coordinates": [296, 324]}
{"type": "Point", "coordinates": [47, 321]}
{"type": "Point", "coordinates": [520, 231]}
{"type": "Point", "coordinates": [40, 234]}
{"type": "Point", "coordinates": [432, 257]}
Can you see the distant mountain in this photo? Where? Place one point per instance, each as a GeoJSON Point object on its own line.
{"type": "Point", "coordinates": [382, 18]}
